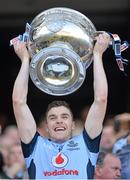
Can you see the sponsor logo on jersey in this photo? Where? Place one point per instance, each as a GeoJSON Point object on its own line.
{"type": "Point", "coordinates": [61, 172]}
{"type": "Point", "coordinates": [60, 160]}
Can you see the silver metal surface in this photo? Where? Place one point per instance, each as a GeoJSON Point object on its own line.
{"type": "Point", "coordinates": [60, 44]}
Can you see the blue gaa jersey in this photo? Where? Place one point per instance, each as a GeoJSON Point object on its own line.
{"type": "Point", "coordinates": [74, 159]}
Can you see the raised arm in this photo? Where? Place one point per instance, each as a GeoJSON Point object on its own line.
{"type": "Point", "coordinates": [25, 121]}
{"type": "Point", "coordinates": [96, 114]}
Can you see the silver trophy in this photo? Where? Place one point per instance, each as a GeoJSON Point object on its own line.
{"type": "Point", "coordinates": [60, 42]}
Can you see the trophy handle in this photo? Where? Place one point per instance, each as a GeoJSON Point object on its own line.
{"type": "Point", "coordinates": [117, 46]}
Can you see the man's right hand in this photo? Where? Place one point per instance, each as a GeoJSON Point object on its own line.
{"type": "Point", "coordinates": [21, 50]}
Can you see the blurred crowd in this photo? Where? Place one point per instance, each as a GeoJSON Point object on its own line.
{"type": "Point", "coordinates": [114, 157]}
{"type": "Point", "coordinates": [12, 165]}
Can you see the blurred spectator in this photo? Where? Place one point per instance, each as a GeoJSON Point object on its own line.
{"type": "Point", "coordinates": [84, 113]}
{"type": "Point", "coordinates": [5, 144]}
{"type": "Point", "coordinates": [121, 142]}
{"type": "Point", "coordinates": [2, 173]}
{"type": "Point", "coordinates": [8, 138]}
{"type": "Point", "coordinates": [108, 166]}
{"type": "Point", "coordinates": [12, 133]}
{"type": "Point", "coordinates": [122, 124]}
{"type": "Point", "coordinates": [107, 138]}
{"type": "Point", "coordinates": [124, 155]}
{"type": "Point", "coordinates": [10, 147]}
{"type": "Point", "coordinates": [16, 167]}
{"type": "Point", "coordinates": [79, 126]}
{"type": "Point", "coordinates": [122, 150]}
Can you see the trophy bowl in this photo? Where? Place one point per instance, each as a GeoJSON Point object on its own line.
{"type": "Point", "coordinates": [60, 45]}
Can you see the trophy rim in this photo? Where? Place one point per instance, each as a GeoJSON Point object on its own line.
{"type": "Point", "coordinates": [60, 8]}
{"type": "Point", "coordinates": [64, 9]}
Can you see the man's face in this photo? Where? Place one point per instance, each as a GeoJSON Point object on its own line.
{"type": "Point", "coordinates": [111, 168]}
{"type": "Point", "coordinates": [16, 155]}
{"type": "Point", "coordinates": [60, 123]}
{"type": "Point", "coordinates": [107, 139]}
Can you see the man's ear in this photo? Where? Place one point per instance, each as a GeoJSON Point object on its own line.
{"type": "Point", "coordinates": [73, 125]}
{"type": "Point", "coordinates": [98, 171]}
{"type": "Point", "coordinates": [46, 126]}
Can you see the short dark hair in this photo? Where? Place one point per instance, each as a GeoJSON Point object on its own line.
{"type": "Point", "coordinates": [102, 155]}
{"type": "Point", "coordinates": [57, 104]}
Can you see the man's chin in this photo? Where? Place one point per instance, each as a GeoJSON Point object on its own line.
{"type": "Point", "coordinates": [60, 139]}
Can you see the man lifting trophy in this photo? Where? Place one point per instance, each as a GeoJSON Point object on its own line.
{"type": "Point", "coordinates": [55, 50]}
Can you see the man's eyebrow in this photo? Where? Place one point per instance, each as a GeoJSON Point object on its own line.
{"type": "Point", "coordinates": [65, 114]}
{"type": "Point", "coordinates": [51, 115]}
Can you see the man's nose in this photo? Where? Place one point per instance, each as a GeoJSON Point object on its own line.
{"type": "Point", "coordinates": [59, 120]}
{"type": "Point", "coordinates": [118, 173]}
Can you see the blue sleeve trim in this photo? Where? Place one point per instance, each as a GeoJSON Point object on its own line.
{"type": "Point", "coordinates": [28, 148]}
{"type": "Point", "coordinates": [92, 144]}
{"type": "Point", "coordinates": [32, 170]}
{"type": "Point", "coordinates": [90, 170]}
